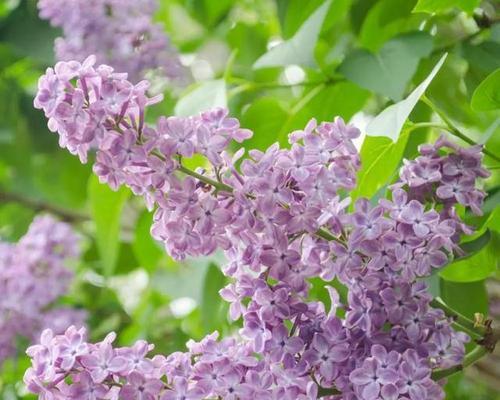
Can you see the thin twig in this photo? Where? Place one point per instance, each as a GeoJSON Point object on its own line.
{"type": "Point", "coordinates": [454, 130]}
{"type": "Point", "coordinates": [218, 185]}
{"type": "Point", "coordinates": [38, 205]}
{"type": "Point", "coordinates": [486, 344]}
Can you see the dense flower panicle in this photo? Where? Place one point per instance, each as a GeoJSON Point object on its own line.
{"type": "Point", "coordinates": [120, 33]}
{"type": "Point", "coordinates": [32, 276]}
{"type": "Point", "coordinates": [454, 175]}
{"type": "Point", "coordinates": [209, 369]}
{"type": "Point", "coordinates": [282, 218]}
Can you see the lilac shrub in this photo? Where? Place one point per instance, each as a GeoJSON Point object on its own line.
{"type": "Point", "coordinates": [33, 275]}
{"type": "Point", "coordinates": [282, 217]}
{"type": "Point", "coordinates": [97, 27]}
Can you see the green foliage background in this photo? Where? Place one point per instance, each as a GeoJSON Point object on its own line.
{"type": "Point", "coordinates": [352, 56]}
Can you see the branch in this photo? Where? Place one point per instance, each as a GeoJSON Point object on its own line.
{"type": "Point", "coordinates": [454, 130]}
{"type": "Point", "coordinates": [460, 319]}
{"type": "Point", "coordinates": [38, 205]}
{"type": "Point", "coordinates": [486, 344]}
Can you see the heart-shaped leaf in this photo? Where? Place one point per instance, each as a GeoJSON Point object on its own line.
{"type": "Point", "coordinates": [476, 300]}
{"type": "Point", "coordinates": [299, 49]}
{"type": "Point", "coordinates": [391, 120]}
{"type": "Point", "coordinates": [389, 71]}
{"type": "Point", "coordinates": [486, 97]}
{"type": "Point", "coordinates": [478, 266]}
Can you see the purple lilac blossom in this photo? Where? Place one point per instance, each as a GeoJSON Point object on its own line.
{"type": "Point", "coordinates": [120, 33]}
{"type": "Point", "coordinates": [279, 229]}
{"type": "Point", "coordinates": [33, 275]}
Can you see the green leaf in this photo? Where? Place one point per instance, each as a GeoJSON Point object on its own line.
{"type": "Point", "coordinates": [391, 120]}
{"type": "Point", "coordinates": [483, 59]}
{"type": "Point", "coordinates": [208, 95]}
{"type": "Point", "coordinates": [265, 117]}
{"type": "Point", "coordinates": [211, 303]}
{"type": "Point", "coordinates": [486, 97]}
{"type": "Point", "coordinates": [343, 99]}
{"type": "Point", "coordinates": [210, 12]}
{"type": "Point", "coordinates": [441, 6]}
{"type": "Point", "coordinates": [386, 19]}
{"type": "Point", "coordinates": [184, 30]}
{"type": "Point", "coordinates": [451, 98]}
{"type": "Point", "coordinates": [5, 9]}
{"type": "Point", "coordinates": [467, 298]}
{"type": "Point", "coordinates": [389, 71]}
{"type": "Point", "coordinates": [485, 56]}
{"type": "Point", "coordinates": [29, 35]}
{"type": "Point", "coordinates": [126, 261]}
{"type": "Point", "coordinates": [14, 220]}
{"type": "Point", "coordinates": [474, 246]}
{"type": "Point", "coordinates": [493, 221]}
{"type": "Point", "coordinates": [299, 49]}
{"type": "Point", "coordinates": [297, 11]}
{"type": "Point", "coordinates": [476, 267]}
{"type": "Point", "coordinates": [299, 114]}
{"type": "Point", "coordinates": [215, 10]}
{"type": "Point", "coordinates": [323, 102]}
{"type": "Point", "coordinates": [380, 158]}
{"type": "Point", "coordinates": [146, 249]}
{"type": "Point", "coordinates": [250, 41]}
{"type": "Point", "coordinates": [106, 209]}
{"type": "Point", "coordinates": [61, 177]}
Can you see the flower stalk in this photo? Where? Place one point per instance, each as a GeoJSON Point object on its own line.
{"type": "Point", "coordinates": [470, 358]}
{"type": "Point", "coordinates": [460, 319]}
{"type": "Point", "coordinates": [488, 337]}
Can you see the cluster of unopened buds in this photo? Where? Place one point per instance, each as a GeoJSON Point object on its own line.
{"type": "Point", "coordinates": [98, 27]}
{"type": "Point", "coordinates": [282, 217]}
{"type": "Point", "coordinates": [33, 275]}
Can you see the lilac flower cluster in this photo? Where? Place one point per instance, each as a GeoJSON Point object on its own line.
{"type": "Point", "coordinates": [120, 33]}
{"type": "Point", "coordinates": [282, 217]}
{"type": "Point", "coordinates": [32, 276]}
{"type": "Point", "coordinates": [454, 176]}
{"type": "Point", "coordinates": [220, 369]}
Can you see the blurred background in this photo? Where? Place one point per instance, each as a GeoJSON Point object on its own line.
{"type": "Point", "coordinates": [366, 55]}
